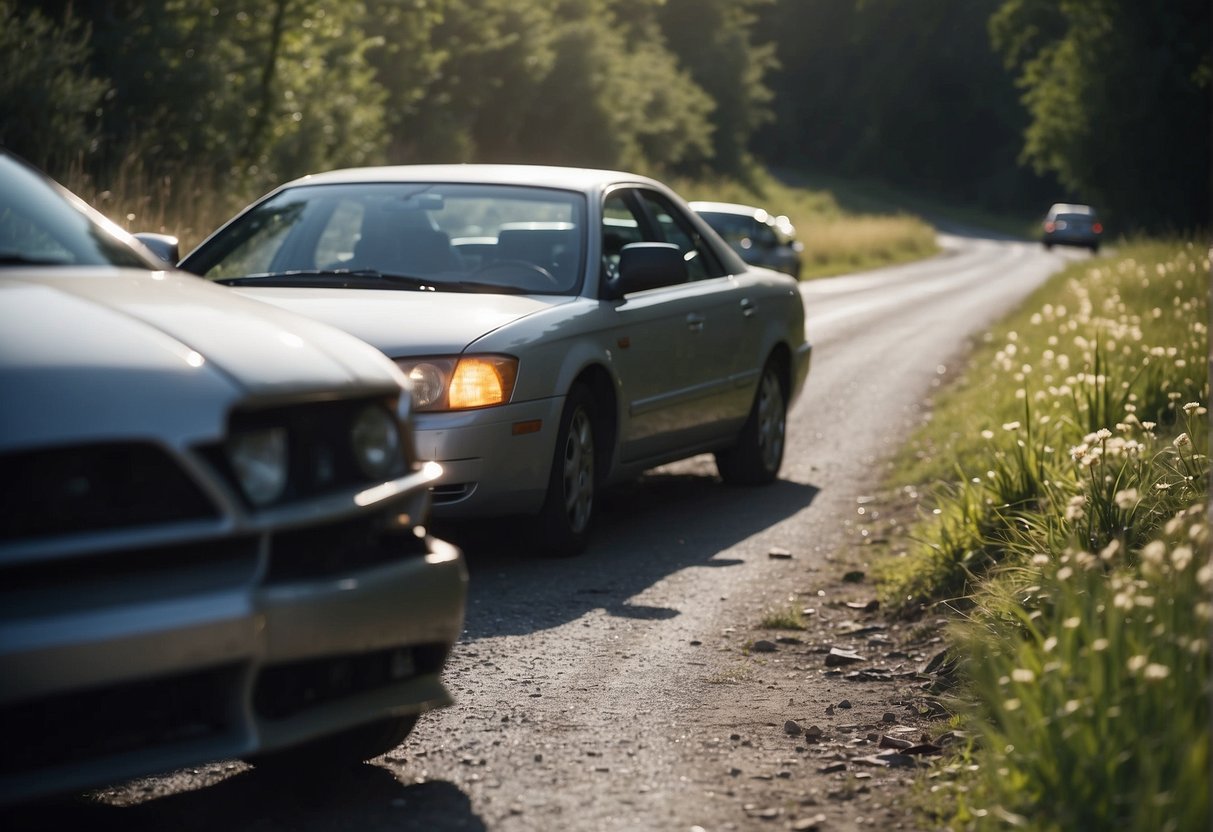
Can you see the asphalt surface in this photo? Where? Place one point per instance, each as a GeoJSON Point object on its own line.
{"type": "Point", "coordinates": [620, 690]}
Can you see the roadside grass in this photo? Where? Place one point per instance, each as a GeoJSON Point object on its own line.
{"type": "Point", "coordinates": [783, 618]}
{"type": "Point", "coordinates": [836, 241]}
{"type": "Point", "coordinates": [187, 203]}
{"type": "Point", "coordinates": [1070, 535]}
{"type": "Point", "coordinates": [859, 196]}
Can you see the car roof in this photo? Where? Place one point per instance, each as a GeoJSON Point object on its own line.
{"type": "Point", "coordinates": [586, 180]}
{"type": "Point", "coordinates": [760, 214]}
{"type": "Point", "coordinates": [1071, 208]}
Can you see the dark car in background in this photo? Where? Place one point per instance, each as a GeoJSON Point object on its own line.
{"type": "Point", "coordinates": [1070, 224]}
{"type": "Point", "coordinates": [210, 509]}
{"type": "Point", "coordinates": [761, 238]}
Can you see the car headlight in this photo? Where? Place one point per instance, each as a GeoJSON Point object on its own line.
{"type": "Point", "coordinates": [375, 438]}
{"type": "Point", "coordinates": [260, 460]}
{"type": "Point", "coordinates": [462, 383]}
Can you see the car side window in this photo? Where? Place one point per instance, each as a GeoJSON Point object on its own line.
{"type": "Point", "coordinates": [675, 228]}
{"type": "Point", "coordinates": [620, 226]}
{"type": "Point", "coordinates": [764, 236]}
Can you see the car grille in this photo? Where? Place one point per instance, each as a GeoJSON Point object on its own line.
{"type": "Point", "coordinates": [94, 488]}
{"type": "Point", "coordinates": [284, 690]}
{"type": "Point", "coordinates": [335, 548]}
{"type": "Point", "coordinates": [104, 721]}
{"type": "Point", "coordinates": [103, 579]}
{"type": "Point", "coordinates": [451, 492]}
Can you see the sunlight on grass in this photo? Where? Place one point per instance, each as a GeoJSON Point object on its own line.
{"type": "Point", "coordinates": [1071, 529]}
{"type": "Point", "coordinates": [835, 241]}
{"type": "Point", "coordinates": [184, 203]}
{"type": "Point", "coordinates": [784, 618]}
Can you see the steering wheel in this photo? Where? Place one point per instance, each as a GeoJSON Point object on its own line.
{"type": "Point", "coordinates": [516, 266]}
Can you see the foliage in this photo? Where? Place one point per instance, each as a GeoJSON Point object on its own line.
{"type": "Point", "coordinates": [714, 40]}
{"type": "Point", "coordinates": [46, 100]}
{"type": "Point", "coordinates": [903, 91]}
{"type": "Point", "coordinates": [1075, 401]}
{"type": "Point", "coordinates": [1080, 555]}
{"type": "Point", "coordinates": [1119, 97]}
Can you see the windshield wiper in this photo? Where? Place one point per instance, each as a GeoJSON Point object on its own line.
{"type": "Point", "coordinates": [329, 277]}
{"type": "Point", "coordinates": [486, 288]}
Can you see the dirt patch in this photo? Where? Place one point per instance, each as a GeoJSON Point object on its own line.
{"type": "Point", "coordinates": [852, 709]}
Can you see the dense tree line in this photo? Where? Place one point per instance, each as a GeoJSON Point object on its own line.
{"type": "Point", "coordinates": [1000, 103]}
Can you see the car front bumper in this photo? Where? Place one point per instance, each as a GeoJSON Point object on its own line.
{"type": "Point", "coordinates": [495, 461]}
{"type": "Point", "coordinates": [222, 644]}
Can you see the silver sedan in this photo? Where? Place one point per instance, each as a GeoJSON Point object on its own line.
{"type": "Point", "coordinates": [564, 329]}
{"type": "Point", "coordinates": [209, 521]}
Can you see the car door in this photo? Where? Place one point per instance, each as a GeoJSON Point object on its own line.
{"type": "Point", "coordinates": [673, 343]}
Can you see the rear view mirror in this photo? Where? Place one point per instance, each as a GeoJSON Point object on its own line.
{"type": "Point", "coordinates": [164, 246]}
{"type": "Point", "coordinates": [647, 266]}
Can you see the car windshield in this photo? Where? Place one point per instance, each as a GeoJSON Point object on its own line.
{"type": "Point", "coordinates": [41, 226]}
{"type": "Point", "coordinates": [420, 236]}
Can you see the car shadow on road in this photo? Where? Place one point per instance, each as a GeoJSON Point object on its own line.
{"type": "Point", "coordinates": [368, 798]}
{"type": "Point", "coordinates": [675, 518]}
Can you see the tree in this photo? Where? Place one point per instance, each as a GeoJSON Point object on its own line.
{"type": "Point", "coordinates": [714, 41]}
{"type": "Point", "coordinates": [48, 97]}
{"type": "Point", "coordinates": [1118, 93]}
{"type": "Point", "coordinates": [261, 92]}
{"type": "Point", "coordinates": [615, 96]}
{"type": "Point", "coordinates": [904, 91]}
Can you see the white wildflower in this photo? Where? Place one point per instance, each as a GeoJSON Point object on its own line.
{"type": "Point", "coordinates": [1127, 499]}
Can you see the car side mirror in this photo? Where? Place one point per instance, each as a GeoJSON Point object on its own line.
{"type": "Point", "coordinates": [164, 246]}
{"type": "Point", "coordinates": [647, 266]}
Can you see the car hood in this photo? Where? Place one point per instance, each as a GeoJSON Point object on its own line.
{"type": "Point", "coordinates": [403, 323]}
{"type": "Point", "coordinates": [117, 352]}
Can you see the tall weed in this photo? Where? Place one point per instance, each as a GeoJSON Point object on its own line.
{"type": "Point", "coordinates": [1076, 543]}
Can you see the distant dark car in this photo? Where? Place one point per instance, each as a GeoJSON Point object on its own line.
{"type": "Point", "coordinates": [1068, 224]}
{"type": "Point", "coordinates": [761, 238]}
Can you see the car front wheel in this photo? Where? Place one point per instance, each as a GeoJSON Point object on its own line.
{"type": "Point", "coordinates": [758, 454]}
{"type": "Point", "coordinates": [564, 520]}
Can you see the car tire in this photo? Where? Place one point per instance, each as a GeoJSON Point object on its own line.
{"type": "Point", "coordinates": [758, 454]}
{"type": "Point", "coordinates": [568, 509]}
{"type": "Point", "coordinates": [343, 750]}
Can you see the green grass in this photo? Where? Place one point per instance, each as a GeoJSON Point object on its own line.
{"type": "Point", "coordinates": [1071, 534]}
{"type": "Point", "coordinates": [783, 618]}
{"type": "Point", "coordinates": [184, 203]}
{"type": "Point", "coordinates": [836, 240]}
{"type": "Point", "coordinates": [867, 197]}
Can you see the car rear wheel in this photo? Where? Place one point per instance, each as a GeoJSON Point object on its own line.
{"type": "Point", "coordinates": [342, 750]}
{"type": "Point", "coordinates": [568, 510]}
{"type": "Point", "coordinates": [758, 454]}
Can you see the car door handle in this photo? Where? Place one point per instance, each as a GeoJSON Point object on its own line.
{"type": "Point", "coordinates": [747, 307]}
{"type": "Point", "coordinates": [695, 322]}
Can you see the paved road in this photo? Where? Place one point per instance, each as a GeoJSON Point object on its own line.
{"type": "Point", "coordinates": [614, 691]}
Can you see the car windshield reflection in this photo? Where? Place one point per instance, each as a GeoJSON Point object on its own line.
{"type": "Point", "coordinates": [426, 236]}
